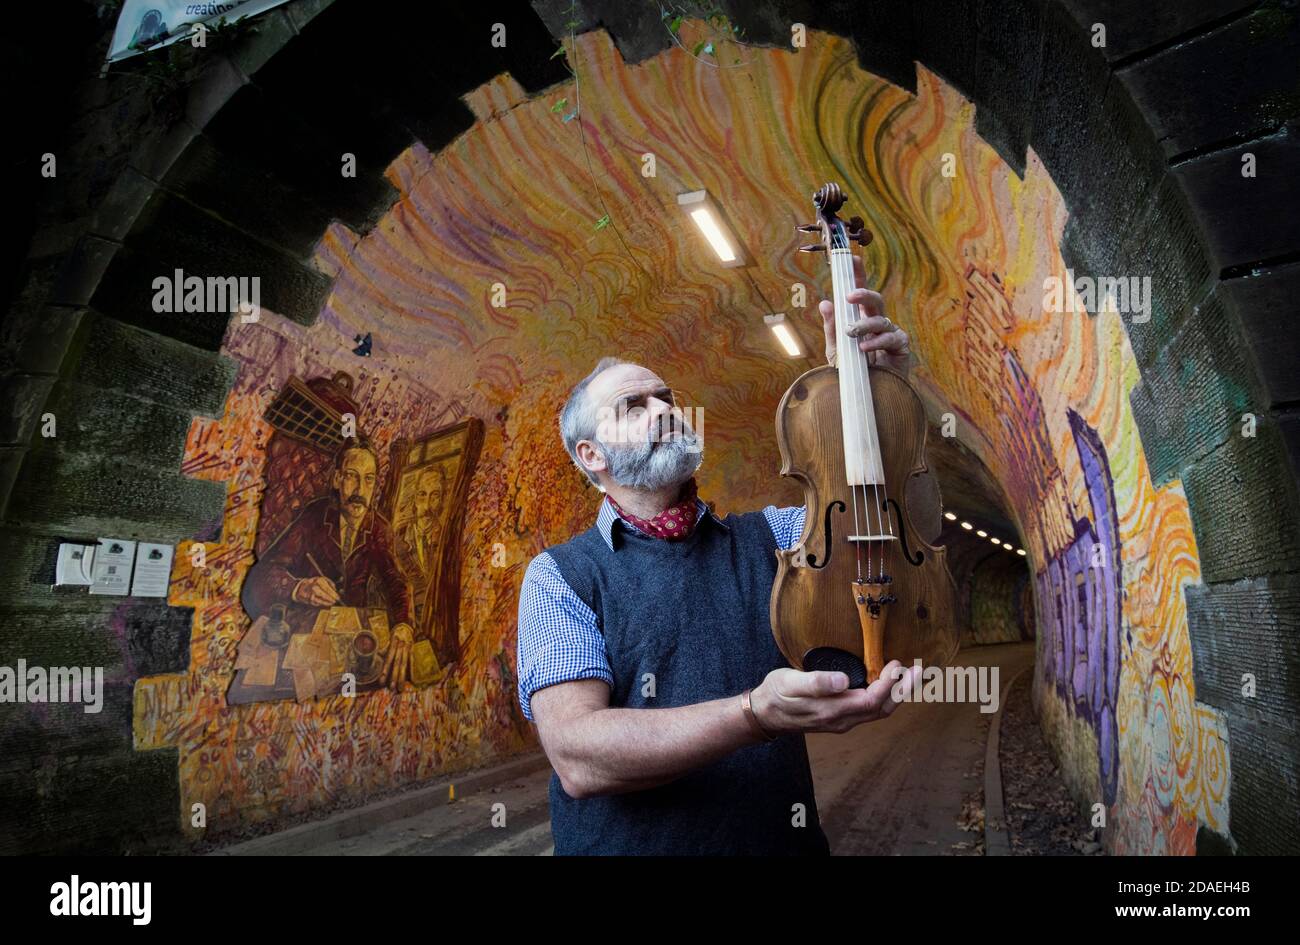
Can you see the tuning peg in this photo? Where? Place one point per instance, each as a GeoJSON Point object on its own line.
{"type": "Point", "coordinates": [808, 227]}
{"type": "Point", "coordinates": [858, 231]}
{"type": "Point", "coordinates": [813, 248]}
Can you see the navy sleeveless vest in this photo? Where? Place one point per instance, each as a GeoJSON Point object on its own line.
{"type": "Point", "coordinates": [694, 613]}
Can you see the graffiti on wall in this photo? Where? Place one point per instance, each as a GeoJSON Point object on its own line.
{"type": "Point", "coordinates": [1080, 587]}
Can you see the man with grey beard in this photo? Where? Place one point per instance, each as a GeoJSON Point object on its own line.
{"type": "Point", "coordinates": [646, 658]}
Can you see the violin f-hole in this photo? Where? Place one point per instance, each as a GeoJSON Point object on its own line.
{"type": "Point", "coordinates": [812, 559]}
{"type": "Point", "coordinates": [902, 533]}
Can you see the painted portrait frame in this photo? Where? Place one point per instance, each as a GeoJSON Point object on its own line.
{"type": "Point", "coordinates": [455, 447]}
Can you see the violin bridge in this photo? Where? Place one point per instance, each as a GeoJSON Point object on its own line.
{"type": "Point", "coordinates": [873, 628]}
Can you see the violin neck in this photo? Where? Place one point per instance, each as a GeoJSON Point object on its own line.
{"type": "Point", "coordinates": [862, 464]}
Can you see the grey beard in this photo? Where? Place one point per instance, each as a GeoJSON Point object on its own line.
{"type": "Point", "coordinates": [644, 467]}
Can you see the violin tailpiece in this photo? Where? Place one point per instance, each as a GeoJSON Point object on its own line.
{"type": "Point", "coordinates": [870, 608]}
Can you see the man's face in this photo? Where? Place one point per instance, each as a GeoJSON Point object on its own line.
{"type": "Point", "coordinates": [355, 483]}
{"type": "Point", "coordinates": [644, 436]}
{"type": "Point", "coordinates": [428, 495]}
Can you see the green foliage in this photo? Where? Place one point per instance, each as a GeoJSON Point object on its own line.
{"type": "Point", "coordinates": [222, 35]}
{"type": "Point", "coordinates": [171, 68]}
{"type": "Point", "coordinates": [712, 14]}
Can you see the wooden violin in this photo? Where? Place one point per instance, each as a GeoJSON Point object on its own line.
{"type": "Point", "coordinates": [863, 585]}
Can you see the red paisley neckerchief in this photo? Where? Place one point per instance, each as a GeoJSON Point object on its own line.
{"type": "Point", "coordinates": [673, 523]}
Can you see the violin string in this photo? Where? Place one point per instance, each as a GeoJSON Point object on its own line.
{"type": "Point", "coordinates": [849, 371]}
{"type": "Point", "coordinates": [861, 382]}
{"type": "Point", "coordinates": [851, 364]}
{"type": "Point", "coordinates": [881, 493]}
{"type": "Point", "coordinates": [886, 512]}
{"type": "Point", "coordinates": [839, 366]}
{"type": "Point", "coordinates": [841, 316]}
{"type": "Point", "coordinates": [857, 545]}
{"type": "Point", "coordinates": [868, 416]}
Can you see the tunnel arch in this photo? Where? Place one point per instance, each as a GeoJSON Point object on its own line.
{"type": "Point", "coordinates": [89, 330]}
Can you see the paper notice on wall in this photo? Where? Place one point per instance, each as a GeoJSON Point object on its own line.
{"type": "Point", "coordinates": [75, 565]}
{"type": "Point", "coordinates": [153, 570]}
{"type": "Point", "coordinates": [151, 24]}
{"type": "Point", "coordinates": [112, 570]}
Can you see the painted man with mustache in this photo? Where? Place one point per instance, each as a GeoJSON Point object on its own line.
{"type": "Point", "coordinates": [329, 555]}
{"type": "Point", "coordinates": [419, 539]}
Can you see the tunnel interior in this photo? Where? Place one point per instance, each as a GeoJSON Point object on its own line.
{"type": "Point", "coordinates": [445, 244]}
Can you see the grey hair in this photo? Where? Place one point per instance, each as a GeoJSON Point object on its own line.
{"type": "Point", "coordinates": [578, 419]}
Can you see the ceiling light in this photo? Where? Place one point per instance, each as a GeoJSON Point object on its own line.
{"type": "Point", "coordinates": [784, 334]}
{"type": "Point", "coordinates": [982, 533]}
{"type": "Point", "coordinates": [967, 525]}
{"type": "Point", "coordinates": [996, 541]}
{"type": "Point", "coordinates": [949, 516]}
{"type": "Point", "coordinates": [1006, 546]}
{"type": "Point", "coordinates": [1020, 551]}
{"type": "Point", "coordinates": [711, 223]}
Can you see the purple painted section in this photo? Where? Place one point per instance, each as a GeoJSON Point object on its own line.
{"type": "Point", "coordinates": [1081, 592]}
{"type": "Point", "coordinates": [1031, 468]}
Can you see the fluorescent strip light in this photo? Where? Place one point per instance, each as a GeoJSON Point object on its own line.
{"type": "Point", "coordinates": [788, 338]}
{"type": "Point", "coordinates": [713, 233]}
{"type": "Point", "coordinates": [712, 223]}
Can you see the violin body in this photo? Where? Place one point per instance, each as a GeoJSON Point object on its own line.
{"type": "Point", "coordinates": [813, 605]}
{"type": "Point", "coordinates": [863, 585]}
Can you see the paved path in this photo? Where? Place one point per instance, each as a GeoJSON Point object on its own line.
{"type": "Point", "coordinates": [896, 787]}
{"type": "Point", "coordinates": [464, 828]}
{"type": "Point", "coordinates": [893, 787]}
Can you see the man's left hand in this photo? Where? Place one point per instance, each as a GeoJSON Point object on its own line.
{"type": "Point", "coordinates": [398, 663]}
{"type": "Point", "coordinates": [884, 342]}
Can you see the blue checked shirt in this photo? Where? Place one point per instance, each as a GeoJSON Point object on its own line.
{"type": "Point", "coordinates": [559, 636]}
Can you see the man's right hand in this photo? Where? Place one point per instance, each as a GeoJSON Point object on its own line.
{"type": "Point", "coordinates": [792, 701]}
{"type": "Point", "coordinates": [316, 592]}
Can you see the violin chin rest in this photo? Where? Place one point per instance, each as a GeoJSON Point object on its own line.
{"type": "Point", "coordinates": [829, 659]}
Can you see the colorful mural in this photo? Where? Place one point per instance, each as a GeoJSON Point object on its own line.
{"type": "Point", "coordinates": [1080, 590]}
{"type": "Point", "coordinates": [339, 594]}
{"type": "Point", "coordinates": [531, 245]}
